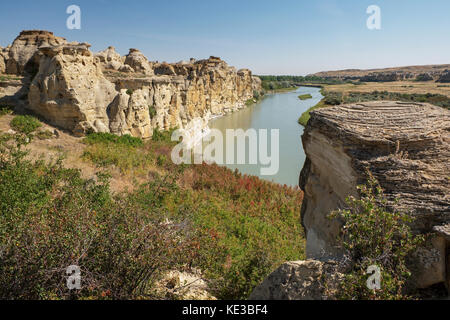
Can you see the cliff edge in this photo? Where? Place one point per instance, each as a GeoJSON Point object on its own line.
{"type": "Point", "coordinates": [406, 147]}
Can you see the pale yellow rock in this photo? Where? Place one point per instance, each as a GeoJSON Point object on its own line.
{"type": "Point", "coordinates": [70, 90]}
{"type": "Point", "coordinates": [130, 114]}
{"type": "Point", "coordinates": [406, 147]}
{"type": "Point", "coordinates": [22, 54]}
{"type": "Point", "coordinates": [136, 60]}
{"type": "Point", "coordinates": [109, 59]}
{"type": "Point", "coordinates": [185, 286]}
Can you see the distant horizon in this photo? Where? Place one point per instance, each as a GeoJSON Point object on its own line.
{"type": "Point", "coordinates": [289, 38]}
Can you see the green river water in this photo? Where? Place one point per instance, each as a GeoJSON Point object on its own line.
{"type": "Point", "coordinates": [276, 111]}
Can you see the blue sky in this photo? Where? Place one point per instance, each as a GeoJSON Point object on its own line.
{"type": "Point", "coordinates": [269, 37]}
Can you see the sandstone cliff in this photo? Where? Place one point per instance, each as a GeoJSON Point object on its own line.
{"type": "Point", "coordinates": [82, 92]}
{"type": "Point", "coordinates": [406, 147]}
{"type": "Point", "coordinates": [70, 90]}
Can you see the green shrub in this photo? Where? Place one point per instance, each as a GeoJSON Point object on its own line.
{"type": "Point", "coordinates": [125, 152]}
{"type": "Point", "coordinates": [161, 160]}
{"type": "Point", "coordinates": [372, 235]}
{"type": "Point", "coordinates": [249, 102]}
{"type": "Point", "coordinates": [125, 140]}
{"type": "Point", "coordinates": [25, 124]}
{"type": "Point", "coordinates": [251, 226]}
{"type": "Point", "coordinates": [152, 111]}
{"type": "Point", "coordinates": [44, 134]}
{"type": "Point", "coordinates": [51, 218]}
{"type": "Point", "coordinates": [234, 228]}
{"type": "Point", "coordinates": [163, 136]}
{"type": "Point", "coordinates": [4, 110]}
{"type": "Point", "coordinates": [333, 98]}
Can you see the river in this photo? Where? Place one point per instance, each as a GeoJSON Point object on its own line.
{"type": "Point", "coordinates": [276, 111]}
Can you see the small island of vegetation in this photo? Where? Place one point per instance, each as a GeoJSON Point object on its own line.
{"type": "Point", "coordinates": [305, 96]}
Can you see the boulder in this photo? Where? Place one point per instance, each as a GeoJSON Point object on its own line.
{"type": "Point", "coordinates": [70, 90]}
{"type": "Point", "coordinates": [406, 146]}
{"type": "Point", "coordinates": [300, 280]}
{"type": "Point", "coordinates": [136, 60]}
{"type": "Point", "coordinates": [23, 52]}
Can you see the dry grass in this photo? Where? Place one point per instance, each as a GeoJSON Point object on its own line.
{"type": "Point", "coordinates": [72, 149]}
{"type": "Point", "coordinates": [408, 87]}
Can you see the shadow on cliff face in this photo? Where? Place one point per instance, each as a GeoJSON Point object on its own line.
{"type": "Point", "coordinates": [15, 93]}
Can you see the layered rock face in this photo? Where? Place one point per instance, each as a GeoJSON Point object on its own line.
{"type": "Point", "coordinates": [191, 91]}
{"type": "Point", "coordinates": [105, 92]}
{"type": "Point", "coordinates": [406, 147]}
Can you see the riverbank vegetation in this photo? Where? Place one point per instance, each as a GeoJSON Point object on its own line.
{"type": "Point", "coordinates": [305, 96]}
{"type": "Point", "coordinates": [234, 228]}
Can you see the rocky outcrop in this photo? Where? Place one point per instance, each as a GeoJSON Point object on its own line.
{"type": "Point", "coordinates": [424, 77]}
{"type": "Point", "coordinates": [109, 59]}
{"type": "Point", "coordinates": [445, 77]}
{"type": "Point", "coordinates": [70, 90]}
{"type": "Point", "coordinates": [130, 114]}
{"type": "Point", "coordinates": [138, 62]}
{"type": "Point", "coordinates": [191, 91]}
{"type": "Point", "coordinates": [81, 92]}
{"type": "Point", "coordinates": [22, 54]}
{"type": "Point", "coordinates": [300, 280]}
{"type": "Point", "coordinates": [383, 77]}
{"type": "Point", "coordinates": [407, 149]}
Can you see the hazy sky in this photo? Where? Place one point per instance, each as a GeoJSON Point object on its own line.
{"type": "Point", "coordinates": [269, 37]}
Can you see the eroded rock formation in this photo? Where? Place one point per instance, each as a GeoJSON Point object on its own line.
{"type": "Point", "coordinates": [406, 147]}
{"type": "Point", "coordinates": [22, 54]}
{"type": "Point", "coordinates": [70, 90]}
{"type": "Point", "coordinates": [82, 92]}
{"type": "Point", "coordinates": [110, 59]}
{"type": "Point", "coordinates": [138, 62]}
